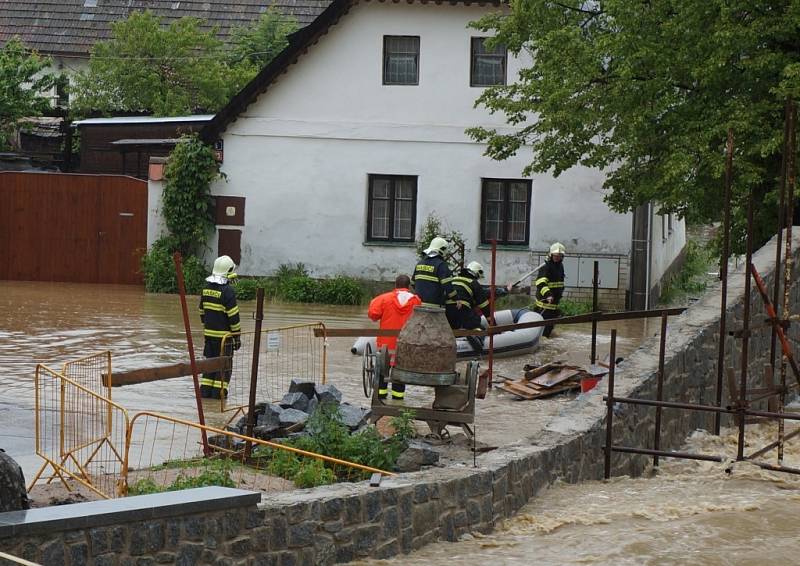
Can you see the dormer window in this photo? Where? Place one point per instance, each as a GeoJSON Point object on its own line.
{"type": "Point", "coordinates": [488, 64]}
{"type": "Point", "coordinates": [400, 60]}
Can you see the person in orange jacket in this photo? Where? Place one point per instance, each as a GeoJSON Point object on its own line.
{"type": "Point", "coordinates": [393, 309]}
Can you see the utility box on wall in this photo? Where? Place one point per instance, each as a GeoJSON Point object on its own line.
{"type": "Point", "coordinates": [579, 271]}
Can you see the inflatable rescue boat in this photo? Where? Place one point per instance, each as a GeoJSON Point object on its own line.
{"type": "Point", "coordinates": [513, 342]}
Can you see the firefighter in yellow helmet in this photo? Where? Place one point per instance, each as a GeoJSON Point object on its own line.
{"type": "Point", "coordinates": [219, 314]}
{"type": "Point", "coordinates": [432, 279]}
{"type": "Point", "coordinates": [550, 286]}
{"type": "Point", "coordinates": [471, 300]}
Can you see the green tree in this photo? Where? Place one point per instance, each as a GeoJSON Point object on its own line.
{"type": "Point", "coordinates": [147, 67]}
{"type": "Point", "coordinates": [256, 45]}
{"type": "Point", "coordinates": [647, 91]}
{"type": "Point", "coordinates": [22, 81]}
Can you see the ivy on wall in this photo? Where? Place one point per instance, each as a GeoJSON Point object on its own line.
{"type": "Point", "coordinates": [190, 170]}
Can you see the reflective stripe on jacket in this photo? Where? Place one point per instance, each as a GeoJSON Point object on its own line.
{"type": "Point", "coordinates": [470, 294]}
{"type": "Point", "coordinates": [219, 312]}
{"type": "Point", "coordinates": [433, 281]}
{"type": "Point", "coordinates": [550, 283]}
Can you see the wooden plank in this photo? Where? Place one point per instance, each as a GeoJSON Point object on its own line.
{"type": "Point", "coordinates": [145, 375]}
{"type": "Point", "coordinates": [599, 316]}
{"type": "Point", "coordinates": [555, 377]}
{"type": "Point", "coordinates": [541, 370]}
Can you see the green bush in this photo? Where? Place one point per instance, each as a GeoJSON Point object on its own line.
{"type": "Point", "coordinates": [246, 287]}
{"type": "Point", "coordinates": [287, 270]}
{"type": "Point", "coordinates": [292, 283]}
{"type": "Point", "coordinates": [298, 289]}
{"type": "Point", "coordinates": [574, 308]}
{"type": "Point", "coordinates": [340, 290]}
{"type": "Point", "coordinates": [328, 436]}
{"type": "Point", "coordinates": [159, 269]}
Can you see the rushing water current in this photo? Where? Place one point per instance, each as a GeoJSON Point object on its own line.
{"type": "Point", "coordinates": [690, 512]}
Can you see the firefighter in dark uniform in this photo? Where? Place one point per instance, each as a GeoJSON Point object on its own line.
{"type": "Point", "coordinates": [471, 300]}
{"type": "Point", "coordinates": [550, 286]}
{"type": "Point", "coordinates": [220, 316]}
{"type": "Point", "coordinates": [433, 280]}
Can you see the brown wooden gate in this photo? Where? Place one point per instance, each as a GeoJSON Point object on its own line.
{"type": "Point", "coordinates": [75, 228]}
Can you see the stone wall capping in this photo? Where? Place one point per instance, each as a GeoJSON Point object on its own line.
{"type": "Point", "coordinates": [139, 508]}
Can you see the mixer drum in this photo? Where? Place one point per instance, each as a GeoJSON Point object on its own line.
{"type": "Point", "coordinates": [426, 343]}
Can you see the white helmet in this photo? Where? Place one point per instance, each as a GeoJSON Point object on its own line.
{"type": "Point", "coordinates": [475, 268]}
{"type": "Point", "coordinates": [557, 248]}
{"type": "Point", "coordinates": [437, 246]}
{"type": "Point", "coordinates": [224, 267]}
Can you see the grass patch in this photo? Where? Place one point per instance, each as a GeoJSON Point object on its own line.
{"type": "Point", "coordinates": [693, 277]}
{"type": "Point", "coordinates": [212, 471]}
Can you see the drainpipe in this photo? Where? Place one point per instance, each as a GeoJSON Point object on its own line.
{"type": "Point", "coordinates": [648, 253]}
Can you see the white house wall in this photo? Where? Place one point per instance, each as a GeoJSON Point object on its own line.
{"type": "Point", "coordinates": [302, 153]}
{"type": "Point", "coordinates": [666, 244]}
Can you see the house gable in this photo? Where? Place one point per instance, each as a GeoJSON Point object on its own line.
{"type": "Point", "coordinates": [359, 53]}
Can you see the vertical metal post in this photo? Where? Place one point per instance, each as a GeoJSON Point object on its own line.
{"type": "Point", "coordinates": [745, 327]}
{"type": "Point", "coordinates": [610, 402]}
{"type": "Point", "coordinates": [491, 312]}
{"type": "Point", "coordinates": [723, 275]}
{"type": "Point", "coordinates": [251, 402]}
{"type": "Point", "coordinates": [324, 356]}
{"type": "Point", "coordinates": [662, 350]}
{"type": "Point", "coordinates": [190, 345]}
{"type": "Point", "coordinates": [791, 178]}
{"type": "Point", "coordinates": [595, 284]}
{"type": "Point", "coordinates": [781, 225]}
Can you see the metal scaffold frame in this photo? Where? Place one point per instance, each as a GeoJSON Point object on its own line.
{"type": "Point", "coordinates": [741, 397]}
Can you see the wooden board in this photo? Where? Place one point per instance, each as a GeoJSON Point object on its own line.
{"type": "Point", "coordinates": [541, 370]}
{"type": "Point", "coordinates": [144, 375]}
{"type": "Point", "coordinates": [553, 378]}
{"type": "Point", "coordinates": [529, 391]}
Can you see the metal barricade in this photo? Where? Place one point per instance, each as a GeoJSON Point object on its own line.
{"type": "Point", "coordinates": [285, 353]}
{"type": "Point", "coordinates": [80, 434]}
{"type": "Point", "coordinates": [166, 453]}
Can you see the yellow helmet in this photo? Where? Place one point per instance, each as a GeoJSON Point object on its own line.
{"type": "Point", "coordinates": [557, 248]}
{"type": "Point", "coordinates": [437, 246]}
{"type": "Point", "coordinates": [224, 267]}
{"type": "Point", "coordinates": [475, 268]}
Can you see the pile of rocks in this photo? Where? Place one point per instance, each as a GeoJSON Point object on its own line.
{"type": "Point", "coordinates": [287, 418]}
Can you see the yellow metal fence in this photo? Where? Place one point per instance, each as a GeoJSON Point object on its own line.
{"type": "Point", "coordinates": [285, 353]}
{"type": "Point", "coordinates": [80, 435]}
{"type": "Point", "coordinates": [84, 437]}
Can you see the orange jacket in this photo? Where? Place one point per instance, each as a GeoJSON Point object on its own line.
{"type": "Point", "coordinates": [392, 309]}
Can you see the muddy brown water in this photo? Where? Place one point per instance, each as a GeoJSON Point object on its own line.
{"type": "Point", "coordinates": [690, 512]}
{"type": "Point", "coordinates": [52, 323]}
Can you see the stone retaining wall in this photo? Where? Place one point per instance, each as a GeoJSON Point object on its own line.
{"type": "Point", "coordinates": [343, 522]}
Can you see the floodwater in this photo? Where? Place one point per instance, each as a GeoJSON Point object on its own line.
{"type": "Point", "coordinates": [690, 512]}
{"type": "Point", "coordinates": [52, 323]}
